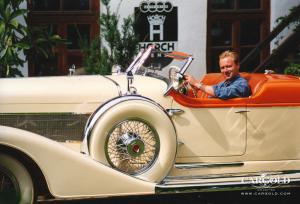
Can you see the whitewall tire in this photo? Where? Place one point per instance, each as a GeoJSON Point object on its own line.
{"type": "Point", "coordinates": [136, 137]}
{"type": "Point", "coordinates": [16, 183]}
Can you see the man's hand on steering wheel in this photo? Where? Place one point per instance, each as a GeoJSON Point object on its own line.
{"type": "Point", "coordinates": [191, 81]}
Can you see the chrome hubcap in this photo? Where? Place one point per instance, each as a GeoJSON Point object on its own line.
{"type": "Point", "coordinates": [132, 146]}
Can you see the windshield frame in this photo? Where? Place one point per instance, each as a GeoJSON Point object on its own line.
{"type": "Point", "coordinates": [143, 55]}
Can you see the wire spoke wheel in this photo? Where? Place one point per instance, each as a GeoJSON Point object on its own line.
{"type": "Point", "coordinates": [132, 146]}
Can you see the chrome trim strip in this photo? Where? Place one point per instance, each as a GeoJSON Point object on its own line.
{"type": "Point", "coordinates": [207, 165]}
{"type": "Point", "coordinates": [104, 108]}
{"type": "Point", "coordinates": [134, 61]}
{"type": "Point", "coordinates": [214, 186]}
{"type": "Point", "coordinates": [118, 85]}
{"type": "Point", "coordinates": [140, 59]}
{"type": "Point", "coordinates": [186, 65]}
{"type": "Point", "coordinates": [202, 183]}
{"type": "Point", "coordinates": [173, 179]}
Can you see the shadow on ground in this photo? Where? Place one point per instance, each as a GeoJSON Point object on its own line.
{"type": "Point", "coordinates": [286, 195]}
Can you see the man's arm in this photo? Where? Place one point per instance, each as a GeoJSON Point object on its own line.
{"type": "Point", "coordinates": [206, 88]}
{"type": "Point", "coordinates": [197, 84]}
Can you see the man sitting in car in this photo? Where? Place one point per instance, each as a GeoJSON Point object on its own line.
{"type": "Point", "coordinates": [232, 87]}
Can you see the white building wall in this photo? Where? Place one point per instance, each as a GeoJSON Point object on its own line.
{"type": "Point", "coordinates": [192, 18]}
{"type": "Point", "coordinates": [24, 68]}
{"type": "Point", "coordinates": [280, 8]}
{"type": "Point", "coordinates": [192, 21]}
{"type": "Point", "coordinates": [192, 24]}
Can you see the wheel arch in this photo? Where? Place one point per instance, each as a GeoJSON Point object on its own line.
{"type": "Point", "coordinates": [38, 178]}
{"type": "Point", "coordinates": [96, 115]}
{"type": "Point", "coordinates": [133, 107]}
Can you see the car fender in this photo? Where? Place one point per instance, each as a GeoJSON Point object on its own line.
{"type": "Point", "coordinates": [69, 173]}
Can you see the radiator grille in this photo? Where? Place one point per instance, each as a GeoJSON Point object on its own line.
{"type": "Point", "coordinates": [56, 126]}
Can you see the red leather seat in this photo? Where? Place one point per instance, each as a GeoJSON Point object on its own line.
{"type": "Point", "coordinates": [255, 81]}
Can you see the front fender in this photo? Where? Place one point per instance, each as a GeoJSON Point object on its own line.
{"type": "Point", "coordinates": [69, 173]}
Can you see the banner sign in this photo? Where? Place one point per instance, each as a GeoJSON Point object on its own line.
{"type": "Point", "coordinates": [157, 23]}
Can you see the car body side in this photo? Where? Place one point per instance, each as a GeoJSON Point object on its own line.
{"type": "Point", "coordinates": [261, 131]}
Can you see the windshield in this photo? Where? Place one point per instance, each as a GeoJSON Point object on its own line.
{"type": "Point", "coordinates": [138, 67]}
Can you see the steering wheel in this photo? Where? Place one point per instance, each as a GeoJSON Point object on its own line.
{"type": "Point", "coordinates": [176, 78]}
{"type": "Point", "coordinates": [178, 83]}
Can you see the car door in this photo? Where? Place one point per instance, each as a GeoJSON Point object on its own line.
{"type": "Point", "coordinates": [210, 127]}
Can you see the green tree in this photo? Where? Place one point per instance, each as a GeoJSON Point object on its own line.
{"type": "Point", "coordinates": [116, 44]}
{"type": "Point", "coordinates": [12, 38]}
{"type": "Point", "coordinates": [42, 44]}
{"type": "Point", "coordinates": [293, 69]}
{"type": "Point", "coordinates": [16, 38]}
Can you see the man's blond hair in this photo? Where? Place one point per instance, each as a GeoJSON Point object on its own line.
{"type": "Point", "coordinates": [233, 54]}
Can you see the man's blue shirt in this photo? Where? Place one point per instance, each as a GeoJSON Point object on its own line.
{"type": "Point", "coordinates": [233, 88]}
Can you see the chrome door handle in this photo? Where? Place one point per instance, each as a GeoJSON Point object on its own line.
{"type": "Point", "coordinates": [242, 111]}
{"type": "Point", "coordinates": [172, 112]}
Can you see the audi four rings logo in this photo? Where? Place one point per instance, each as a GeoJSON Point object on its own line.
{"type": "Point", "coordinates": [155, 6]}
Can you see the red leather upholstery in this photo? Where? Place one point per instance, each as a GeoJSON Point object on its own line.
{"type": "Point", "coordinates": [255, 81]}
{"type": "Point", "coordinates": [267, 90]}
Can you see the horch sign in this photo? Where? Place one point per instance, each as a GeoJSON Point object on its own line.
{"type": "Point", "coordinates": [157, 23]}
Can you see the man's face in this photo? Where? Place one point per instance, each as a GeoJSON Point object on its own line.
{"type": "Point", "coordinates": [228, 68]}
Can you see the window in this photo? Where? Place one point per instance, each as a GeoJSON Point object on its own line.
{"type": "Point", "coordinates": [72, 20]}
{"type": "Point", "coordinates": [60, 5]}
{"type": "Point", "coordinates": [74, 32]}
{"type": "Point", "coordinates": [236, 25]}
{"type": "Point", "coordinates": [45, 5]}
{"type": "Point", "coordinates": [76, 5]}
{"type": "Point", "coordinates": [46, 66]}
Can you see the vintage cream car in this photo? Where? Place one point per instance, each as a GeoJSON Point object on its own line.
{"type": "Point", "coordinates": [127, 134]}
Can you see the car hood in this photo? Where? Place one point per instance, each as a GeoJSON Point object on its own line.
{"type": "Point", "coordinates": [79, 94]}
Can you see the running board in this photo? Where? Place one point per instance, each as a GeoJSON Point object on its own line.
{"type": "Point", "coordinates": [227, 182]}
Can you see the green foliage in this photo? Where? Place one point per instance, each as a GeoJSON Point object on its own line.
{"type": "Point", "coordinates": [295, 21]}
{"type": "Point", "coordinates": [42, 43]}
{"type": "Point", "coordinates": [293, 69]}
{"type": "Point", "coordinates": [96, 59]}
{"type": "Point", "coordinates": [16, 38]}
{"type": "Point", "coordinates": [12, 34]}
{"type": "Point", "coordinates": [115, 45]}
